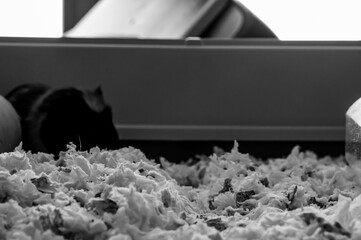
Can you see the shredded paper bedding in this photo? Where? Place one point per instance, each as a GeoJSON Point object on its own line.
{"type": "Point", "coordinates": [122, 195]}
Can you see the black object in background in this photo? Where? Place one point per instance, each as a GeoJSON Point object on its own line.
{"type": "Point", "coordinates": [167, 19]}
{"type": "Point", "coordinates": [237, 21]}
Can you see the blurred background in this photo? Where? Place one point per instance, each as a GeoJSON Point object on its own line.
{"type": "Point", "coordinates": [269, 73]}
{"type": "Point", "coordinates": [288, 20]}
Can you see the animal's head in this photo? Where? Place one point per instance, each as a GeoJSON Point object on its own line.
{"type": "Point", "coordinates": [78, 116]}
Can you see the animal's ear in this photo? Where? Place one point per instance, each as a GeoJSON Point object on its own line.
{"type": "Point", "coordinates": [98, 91]}
{"type": "Point", "coordinates": [94, 99]}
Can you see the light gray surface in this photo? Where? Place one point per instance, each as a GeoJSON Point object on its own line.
{"type": "Point", "coordinates": [258, 91]}
{"type": "Point", "coordinates": [353, 131]}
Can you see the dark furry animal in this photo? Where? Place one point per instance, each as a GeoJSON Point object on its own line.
{"type": "Point", "coordinates": [52, 118]}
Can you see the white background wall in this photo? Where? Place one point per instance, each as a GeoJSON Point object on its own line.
{"type": "Point", "coordinates": [310, 19]}
{"type": "Point", "coordinates": [289, 19]}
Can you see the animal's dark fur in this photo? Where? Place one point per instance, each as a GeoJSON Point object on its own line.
{"type": "Point", "coordinates": [52, 118]}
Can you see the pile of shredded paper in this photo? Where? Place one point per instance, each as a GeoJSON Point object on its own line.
{"type": "Point", "coordinates": [122, 195]}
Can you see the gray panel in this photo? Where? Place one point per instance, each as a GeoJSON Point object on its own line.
{"type": "Point", "coordinates": [297, 91]}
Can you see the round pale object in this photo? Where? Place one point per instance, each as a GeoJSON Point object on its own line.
{"type": "Point", "coordinates": [10, 128]}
